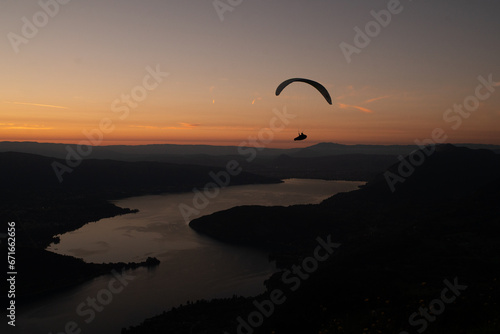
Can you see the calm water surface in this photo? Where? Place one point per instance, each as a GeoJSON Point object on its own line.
{"type": "Point", "coordinates": [192, 266]}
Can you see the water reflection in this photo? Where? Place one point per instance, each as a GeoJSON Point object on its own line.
{"type": "Point", "coordinates": [192, 266]}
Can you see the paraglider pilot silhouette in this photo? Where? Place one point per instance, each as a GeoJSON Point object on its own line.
{"type": "Point", "coordinates": [315, 84]}
{"type": "Point", "coordinates": [301, 136]}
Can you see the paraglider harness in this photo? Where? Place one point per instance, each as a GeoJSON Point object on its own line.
{"type": "Point", "coordinates": [301, 136]}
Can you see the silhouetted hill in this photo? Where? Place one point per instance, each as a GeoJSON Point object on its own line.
{"type": "Point", "coordinates": [108, 178]}
{"type": "Point", "coordinates": [34, 197]}
{"type": "Point", "coordinates": [60, 271]}
{"type": "Point", "coordinates": [398, 248]}
{"type": "Point", "coordinates": [130, 152]}
{"type": "Point", "coordinates": [42, 207]}
{"type": "Point", "coordinates": [352, 167]}
{"type": "Point", "coordinates": [327, 161]}
{"type": "Point", "coordinates": [276, 163]}
{"type": "Point", "coordinates": [157, 152]}
{"type": "Point", "coordinates": [451, 173]}
{"type": "Point", "coordinates": [356, 167]}
{"type": "Point", "coordinates": [325, 149]}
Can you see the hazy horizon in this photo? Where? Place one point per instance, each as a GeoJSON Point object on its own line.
{"type": "Point", "coordinates": [273, 145]}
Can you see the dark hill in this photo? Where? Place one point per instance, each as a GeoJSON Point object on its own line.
{"type": "Point", "coordinates": [108, 178]}
{"type": "Point", "coordinates": [398, 248]}
{"type": "Point", "coordinates": [352, 167]}
{"type": "Point", "coordinates": [451, 173]}
{"type": "Point", "coordinates": [42, 207]}
{"type": "Point", "coordinates": [322, 161]}
{"type": "Point", "coordinates": [33, 196]}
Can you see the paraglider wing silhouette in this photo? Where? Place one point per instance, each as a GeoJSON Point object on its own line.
{"type": "Point", "coordinates": [315, 84]}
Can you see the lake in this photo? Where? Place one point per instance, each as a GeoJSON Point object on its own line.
{"type": "Point", "coordinates": [192, 266]}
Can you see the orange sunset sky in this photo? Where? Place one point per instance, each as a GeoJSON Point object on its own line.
{"type": "Point", "coordinates": [223, 68]}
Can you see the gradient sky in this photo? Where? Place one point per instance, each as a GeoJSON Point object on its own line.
{"type": "Point", "coordinates": [223, 74]}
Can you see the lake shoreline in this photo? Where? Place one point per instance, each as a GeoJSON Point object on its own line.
{"type": "Point", "coordinates": [247, 267]}
{"type": "Point", "coordinates": [42, 226]}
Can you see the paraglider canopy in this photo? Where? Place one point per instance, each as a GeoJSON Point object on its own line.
{"type": "Point", "coordinates": [315, 84]}
{"type": "Point", "coordinates": [301, 136]}
{"type": "Point", "coordinates": [319, 87]}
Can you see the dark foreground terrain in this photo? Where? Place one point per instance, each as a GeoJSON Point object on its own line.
{"type": "Point", "coordinates": [424, 258]}
{"type": "Point", "coordinates": [42, 208]}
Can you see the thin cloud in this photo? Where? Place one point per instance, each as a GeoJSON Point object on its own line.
{"type": "Point", "coordinates": [144, 127]}
{"type": "Point", "coordinates": [377, 99]}
{"type": "Point", "coordinates": [13, 126]}
{"type": "Point", "coordinates": [190, 125]}
{"type": "Point", "coordinates": [183, 126]}
{"type": "Point", "coordinates": [256, 99]}
{"type": "Point", "coordinates": [346, 106]}
{"type": "Point", "coordinates": [38, 105]}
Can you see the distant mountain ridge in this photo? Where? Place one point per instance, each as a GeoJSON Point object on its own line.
{"type": "Point", "coordinates": [157, 152]}
{"type": "Point", "coordinates": [328, 161]}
